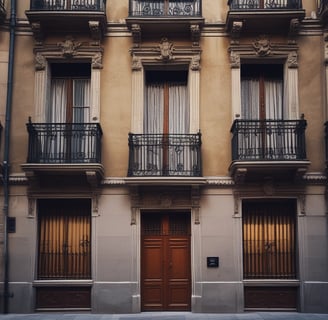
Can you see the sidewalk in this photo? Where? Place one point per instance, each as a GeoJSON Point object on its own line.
{"type": "Point", "coordinates": [168, 316]}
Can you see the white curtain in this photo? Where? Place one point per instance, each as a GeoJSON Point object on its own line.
{"type": "Point", "coordinates": [81, 100]}
{"type": "Point", "coordinates": [180, 155]}
{"type": "Point", "coordinates": [56, 112]}
{"type": "Point", "coordinates": [250, 99]}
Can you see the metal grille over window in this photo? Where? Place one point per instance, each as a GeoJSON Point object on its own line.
{"type": "Point", "coordinates": [269, 240]}
{"type": "Point", "coordinates": [64, 239]}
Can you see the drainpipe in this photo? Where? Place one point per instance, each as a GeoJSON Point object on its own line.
{"type": "Point", "coordinates": [6, 152]}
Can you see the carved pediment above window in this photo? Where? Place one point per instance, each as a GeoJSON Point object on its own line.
{"type": "Point", "coordinates": [263, 47]}
{"type": "Point", "coordinates": [165, 52]}
{"type": "Point", "coordinates": [68, 49]}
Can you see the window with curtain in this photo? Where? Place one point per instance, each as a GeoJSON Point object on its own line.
{"type": "Point", "coordinates": [269, 239]}
{"type": "Point", "coordinates": [64, 246]}
{"type": "Point", "coordinates": [68, 108]}
{"type": "Point", "coordinates": [166, 122]}
{"type": "Point", "coordinates": [262, 104]}
{"type": "Point", "coordinates": [262, 91]}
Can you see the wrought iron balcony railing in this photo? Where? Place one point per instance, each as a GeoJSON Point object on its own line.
{"type": "Point", "coordinates": [55, 143]}
{"type": "Point", "coordinates": [323, 10]}
{"type": "Point", "coordinates": [326, 142]}
{"type": "Point", "coordinates": [268, 140]}
{"type": "Point", "coordinates": [68, 5]}
{"type": "Point", "coordinates": [165, 155]}
{"type": "Point", "coordinates": [265, 4]}
{"type": "Point", "coordinates": [164, 8]}
{"type": "Point", "coordinates": [2, 10]}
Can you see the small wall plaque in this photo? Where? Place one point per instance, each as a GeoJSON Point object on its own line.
{"type": "Point", "coordinates": [212, 262]}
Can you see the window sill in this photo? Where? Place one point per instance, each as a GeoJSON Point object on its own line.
{"type": "Point", "coordinates": [271, 282]}
{"type": "Point", "coordinates": [69, 283]}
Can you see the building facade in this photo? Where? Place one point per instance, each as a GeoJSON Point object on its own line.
{"type": "Point", "coordinates": [163, 155]}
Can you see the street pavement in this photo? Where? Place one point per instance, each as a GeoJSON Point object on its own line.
{"type": "Point", "coordinates": [169, 316]}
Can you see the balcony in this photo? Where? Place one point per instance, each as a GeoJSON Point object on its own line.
{"type": "Point", "coordinates": [174, 17]}
{"type": "Point", "coordinates": [264, 16]}
{"type": "Point", "coordinates": [326, 144]}
{"type": "Point", "coordinates": [2, 10]}
{"type": "Point", "coordinates": [323, 11]}
{"type": "Point", "coordinates": [268, 149]}
{"type": "Point", "coordinates": [165, 155]}
{"type": "Point", "coordinates": [63, 150]}
{"type": "Point", "coordinates": [63, 16]}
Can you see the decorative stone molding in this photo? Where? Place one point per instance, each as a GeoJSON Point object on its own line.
{"type": "Point", "coordinates": [292, 60]}
{"type": "Point", "coordinates": [40, 61]}
{"type": "Point", "coordinates": [95, 30]}
{"type": "Point", "coordinates": [136, 63]}
{"type": "Point", "coordinates": [262, 46]}
{"type": "Point", "coordinates": [95, 204]}
{"type": "Point", "coordinates": [166, 50]}
{"type": "Point", "coordinates": [68, 49]}
{"type": "Point", "coordinates": [236, 29]}
{"type": "Point", "coordinates": [31, 207]}
{"type": "Point", "coordinates": [294, 28]}
{"type": "Point", "coordinates": [234, 60]}
{"type": "Point", "coordinates": [37, 31]}
{"type": "Point", "coordinates": [136, 34]}
{"type": "Point", "coordinates": [302, 203]}
{"type": "Point", "coordinates": [195, 34]}
{"type": "Point", "coordinates": [195, 203]}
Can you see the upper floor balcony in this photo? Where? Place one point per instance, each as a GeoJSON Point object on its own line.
{"type": "Point", "coordinates": [174, 17]}
{"type": "Point", "coordinates": [62, 16]}
{"type": "Point", "coordinates": [264, 16]}
{"type": "Point", "coordinates": [326, 144]}
{"type": "Point", "coordinates": [2, 10]}
{"type": "Point", "coordinates": [323, 11]}
{"type": "Point", "coordinates": [268, 149]}
{"type": "Point", "coordinates": [165, 155]}
{"type": "Point", "coordinates": [63, 151]}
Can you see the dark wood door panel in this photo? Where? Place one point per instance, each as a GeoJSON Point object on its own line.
{"type": "Point", "coordinates": [63, 297]}
{"type": "Point", "coordinates": [271, 297]}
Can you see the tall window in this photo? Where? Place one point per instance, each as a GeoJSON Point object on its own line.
{"type": "Point", "coordinates": [69, 93]}
{"type": "Point", "coordinates": [262, 91]}
{"type": "Point", "coordinates": [167, 103]}
{"type": "Point", "coordinates": [269, 240]}
{"type": "Point", "coordinates": [68, 112]}
{"type": "Point", "coordinates": [64, 250]}
{"type": "Point", "coordinates": [166, 123]}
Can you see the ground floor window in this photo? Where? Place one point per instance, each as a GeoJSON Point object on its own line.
{"type": "Point", "coordinates": [64, 247]}
{"type": "Point", "coordinates": [269, 239]}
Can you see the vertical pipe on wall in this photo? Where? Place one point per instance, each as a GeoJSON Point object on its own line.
{"type": "Point", "coordinates": [6, 151]}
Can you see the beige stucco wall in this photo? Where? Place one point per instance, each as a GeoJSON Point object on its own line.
{"type": "Point", "coordinates": [115, 242]}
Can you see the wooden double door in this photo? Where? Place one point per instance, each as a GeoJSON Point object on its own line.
{"type": "Point", "coordinates": [165, 262]}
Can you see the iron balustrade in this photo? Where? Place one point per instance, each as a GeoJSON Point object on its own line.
{"type": "Point", "coordinates": [165, 155]}
{"type": "Point", "coordinates": [2, 8]}
{"type": "Point", "coordinates": [265, 4]}
{"type": "Point", "coordinates": [160, 8]}
{"type": "Point", "coordinates": [258, 140]}
{"type": "Point", "coordinates": [322, 7]}
{"type": "Point", "coordinates": [326, 141]}
{"type": "Point", "coordinates": [73, 5]}
{"type": "Point", "coordinates": [64, 143]}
